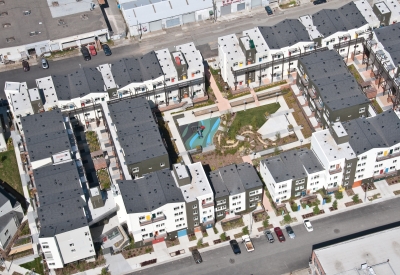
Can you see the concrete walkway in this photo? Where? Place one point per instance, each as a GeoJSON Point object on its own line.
{"type": "Point", "coordinates": [255, 97]}
{"type": "Point", "coordinates": [222, 103]}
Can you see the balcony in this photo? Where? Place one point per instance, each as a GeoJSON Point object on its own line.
{"type": "Point", "coordinates": [384, 175]}
{"type": "Point", "coordinates": [311, 93]}
{"type": "Point", "coordinates": [388, 156]}
{"type": "Point", "coordinates": [304, 81]}
{"type": "Point", "coordinates": [157, 219]}
{"type": "Point", "coordinates": [335, 171]}
{"type": "Point", "coordinates": [318, 105]}
{"type": "Point", "coordinates": [206, 205]}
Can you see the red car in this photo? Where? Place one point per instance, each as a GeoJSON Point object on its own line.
{"type": "Point", "coordinates": [92, 50]}
{"type": "Point", "coordinates": [279, 234]}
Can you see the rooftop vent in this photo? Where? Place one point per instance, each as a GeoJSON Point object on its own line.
{"type": "Point", "coordinates": [84, 16]}
{"type": "Point", "coordinates": [10, 39]}
{"type": "Point", "coordinates": [4, 13]}
{"type": "Point", "coordinates": [61, 22]}
{"type": "Point", "coordinates": [6, 25]}
{"type": "Point", "coordinates": [27, 12]}
{"type": "Point", "coordinates": [55, 4]}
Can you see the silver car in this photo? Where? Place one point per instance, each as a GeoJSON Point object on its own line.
{"type": "Point", "coordinates": [269, 236]}
{"type": "Point", "coordinates": [290, 231]}
{"type": "Point", "coordinates": [45, 64]}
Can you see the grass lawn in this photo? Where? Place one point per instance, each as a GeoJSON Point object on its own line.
{"type": "Point", "coordinates": [91, 138]}
{"type": "Point", "coordinates": [254, 117]}
{"type": "Point", "coordinates": [9, 170]}
{"type": "Point", "coordinates": [34, 264]}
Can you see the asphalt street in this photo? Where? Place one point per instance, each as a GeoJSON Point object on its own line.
{"type": "Point", "coordinates": [279, 258]}
{"type": "Point", "coordinates": [204, 35]}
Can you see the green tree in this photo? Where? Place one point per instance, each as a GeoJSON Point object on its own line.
{"type": "Point", "coordinates": [287, 218]}
{"type": "Point", "coordinates": [266, 223]}
{"type": "Point", "coordinates": [355, 198]}
{"type": "Point", "coordinates": [200, 242]}
{"type": "Point", "coordinates": [339, 195]}
{"type": "Point", "coordinates": [316, 210]}
{"type": "Point", "coordinates": [223, 237]}
{"type": "Point", "coordinates": [334, 204]}
{"type": "Point", "coordinates": [215, 230]}
{"type": "Point", "coordinates": [245, 230]}
{"type": "Point", "coordinates": [278, 136]}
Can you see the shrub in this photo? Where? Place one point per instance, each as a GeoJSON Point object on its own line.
{"type": "Point", "coordinates": [328, 199]}
{"type": "Point", "coordinates": [304, 205]}
{"type": "Point", "coordinates": [266, 223]}
{"type": "Point", "coordinates": [294, 206]}
{"type": "Point", "coordinates": [223, 237]}
{"type": "Point", "coordinates": [245, 230]}
{"type": "Point", "coordinates": [334, 205]}
{"type": "Point", "coordinates": [287, 218]}
{"type": "Point", "coordinates": [215, 230]}
{"type": "Point", "coordinates": [339, 195]}
{"type": "Point", "coordinates": [355, 198]}
{"type": "Point", "coordinates": [200, 242]}
{"type": "Point", "coordinates": [316, 210]}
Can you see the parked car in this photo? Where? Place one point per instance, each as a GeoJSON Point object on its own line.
{"type": "Point", "coordinates": [196, 256]}
{"type": "Point", "coordinates": [308, 225]}
{"type": "Point", "coordinates": [279, 234]}
{"type": "Point", "coordinates": [269, 10]}
{"type": "Point", "coordinates": [92, 50]}
{"type": "Point", "coordinates": [45, 64]}
{"type": "Point", "coordinates": [235, 246]}
{"type": "Point", "coordinates": [25, 66]}
{"type": "Point", "coordinates": [248, 243]}
{"type": "Point", "coordinates": [85, 53]}
{"type": "Point", "coordinates": [106, 49]}
{"type": "Point", "coordinates": [269, 236]}
{"type": "Point", "coordinates": [290, 232]}
{"type": "Point", "coordinates": [317, 2]}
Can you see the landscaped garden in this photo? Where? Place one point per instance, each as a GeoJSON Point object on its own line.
{"type": "Point", "coordinates": [35, 265]}
{"type": "Point", "coordinates": [104, 179]}
{"type": "Point", "coordinates": [226, 226]}
{"type": "Point", "coordinates": [298, 114]}
{"type": "Point", "coordinates": [91, 138]}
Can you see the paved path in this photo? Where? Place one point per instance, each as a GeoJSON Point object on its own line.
{"type": "Point", "coordinates": [222, 103]}
{"type": "Point", "coordinates": [279, 258]}
{"type": "Point", "coordinates": [255, 97]}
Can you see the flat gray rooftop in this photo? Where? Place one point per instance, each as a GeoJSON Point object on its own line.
{"type": "Point", "coordinates": [374, 132]}
{"type": "Point", "coordinates": [234, 179]}
{"type": "Point", "coordinates": [345, 18]}
{"type": "Point", "coordinates": [389, 37]}
{"type": "Point", "coordinates": [42, 25]}
{"type": "Point", "coordinates": [139, 137]}
{"type": "Point", "coordinates": [337, 87]}
{"type": "Point", "coordinates": [286, 33]}
{"type": "Point", "coordinates": [150, 192]}
{"type": "Point", "coordinates": [45, 134]}
{"type": "Point", "coordinates": [56, 183]}
{"type": "Point", "coordinates": [292, 165]}
{"type": "Point", "coordinates": [136, 69]}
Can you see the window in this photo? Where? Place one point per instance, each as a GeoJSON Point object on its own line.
{"type": "Point", "coordinates": [338, 118]}
{"type": "Point", "coordinates": [195, 218]}
{"type": "Point", "coordinates": [362, 110]}
{"type": "Point", "coordinates": [252, 204]}
{"type": "Point", "coordinates": [395, 161]}
{"type": "Point", "coordinates": [86, 233]}
{"type": "Point", "coordinates": [159, 213]}
{"type": "Point", "coordinates": [45, 246]}
{"type": "Point", "coordinates": [176, 208]}
{"type": "Point", "coordinates": [204, 212]}
{"type": "Point", "coordinates": [6, 233]}
{"type": "Point", "coordinates": [135, 170]}
{"type": "Point", "coordinates": [176, 220]}
{"type": "Point", "coordinates": [71, 244]}
{"type": "Point", "coordinates": [141, 218]}
{"type": "Point", "coordinates": [195, 224]}
{"type": "Point", "coordinates": [364, 157]}
{"type": "Point", "coordinates": [72, 250]}
{"type": "Point", "coordinates": [348, 165]}
{"type": "Point", "coordinates": [195, 212]}
{"type": "Point", "coordinates": [194, 206]}
{"type": "Point", "coordinates": [256, 198]}
{"type": "Point", "coordinates": [380, 153]}
{"type": "Point", "coordinates": [52, 264]}
{"type": "Point", "coordinates": [162, 230]}
{"type": "Point", "coordinates": [162, 164]}
{"type": "Point", "coordinates": [237, 209]}
{"type": "Point", "coordinates": [181, 219]}
{"type": "Point", "coordinates": [346, 183]}
{"type": "Point", "coordinates": [219, 214]}
{"type": "Point", "coordinates": [143, 229]}
{"type": "Point", "coordinates": [332, 166]}
{"type": "Point", "coordinates": [342, 50]}
{"type": "Point", "coordinates": [221, 202]}
{"type": "Point", "coordinates": [347, 171]}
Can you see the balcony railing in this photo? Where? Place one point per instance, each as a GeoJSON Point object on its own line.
{"type": "Point", "coordinates": [388, 156]}
{"type": "Point", "coordinates": [157, 219]}
{"type": "Point", "coordinates": [318, 105]}
{"type": "Point", "coordinates": [384, 175]}
{"type": "Point", "coordinates": [312, 93]}
{"type": "Point", "coordinates": [304, 81]}
{"type": "Point", "coordinates": [335, 171]}
{"type": "Point", "coordinates": [206, 205]}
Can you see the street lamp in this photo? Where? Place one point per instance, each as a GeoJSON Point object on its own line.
{"type": "Point", "coordinates": [287, 118]}
{"type": "Point", "coordinates": [301, 142]}
{"type": "Point", "coordinates": [245, 103]}
{"type": "Point", "coordinates": [366, 189]}
{"type": "Point", "coordinates": [211, 113]}
{"type": "Point", "coordinates": [277, 94]}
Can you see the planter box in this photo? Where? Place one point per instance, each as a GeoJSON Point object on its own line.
{"type": "Point", "coordinates": [351, 203]}
{"type": "Point", "coordinates": [261, 229]}
{"type": "Point", "coordinates": [312, 214]}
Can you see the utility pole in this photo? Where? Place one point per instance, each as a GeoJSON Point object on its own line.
{"type": "Point", "coordinates": [215, 10]}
